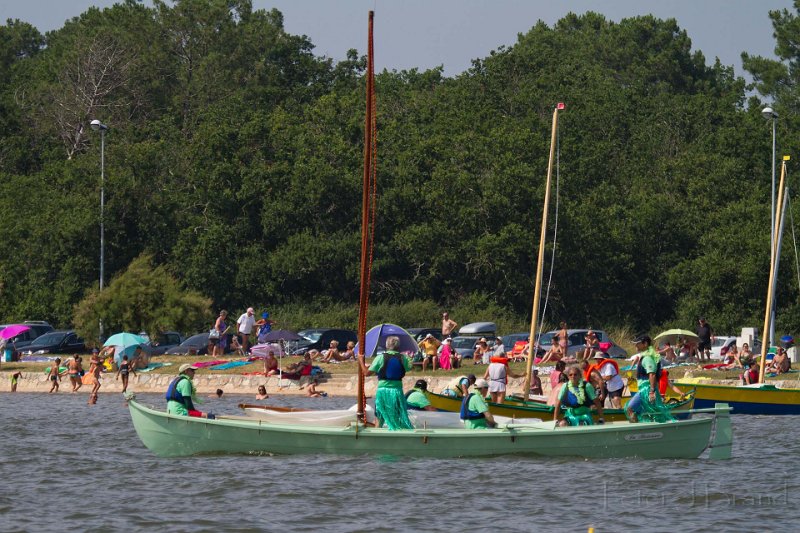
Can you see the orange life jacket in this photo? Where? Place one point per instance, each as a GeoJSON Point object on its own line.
{"type": "Point", "coordinates": [503, 360]}
{"type": "Point", "coordinates": [663, 382]}
{"type": "Point", "coordinates": [597, 366]}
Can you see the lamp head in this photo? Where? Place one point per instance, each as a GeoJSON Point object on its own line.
{"type": "Point", "coordinates": [97, 125]}
{"type": "Point", "coordinates": [769, 113]}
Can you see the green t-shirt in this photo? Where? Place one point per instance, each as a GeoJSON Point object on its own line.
{"type": "Point", "coordinates": [478, 404]}
{"type": "Point", "coordinates": [377, 364]}
{"type": "Point", "coordinates": [184, 387]}
{"type": "Point", "coordinates": [418, 399]}
{"type": "Point", "coordinates": [649, 363]}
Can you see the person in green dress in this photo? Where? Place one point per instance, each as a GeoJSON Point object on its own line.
{"type": "Point", "coordinates": [647, 404]}
{"type": "Point", "coordinates": [575, 400]}
{"type": "Point", "coordinates": [474, 410]}
{"type": "Point", "coordinates": [390, 403]}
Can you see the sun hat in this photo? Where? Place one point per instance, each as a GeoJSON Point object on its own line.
{"type": "Point", "coordinates": [598, 355]}
{"type": "Point", "coordinates": [481, 383]}
{"type": "Point", "coordinates": [429, 336]}
{"type": "Point", "coordinates": [185, 367]}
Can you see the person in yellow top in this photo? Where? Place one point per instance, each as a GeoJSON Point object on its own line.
{"type": "Point", "coordinates": [430, 347]}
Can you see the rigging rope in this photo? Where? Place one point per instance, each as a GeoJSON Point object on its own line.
{"type": "Point", "coordinates": [555, 231]}
{"type": "Point", "coordinates": [794, 240]}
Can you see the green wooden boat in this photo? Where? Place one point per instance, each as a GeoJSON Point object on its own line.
{"type": "Point", "coordinates": [169, 435]}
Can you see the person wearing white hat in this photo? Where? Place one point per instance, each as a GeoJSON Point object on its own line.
{"type": "Point", "coordinates": [430, 347]}
{"type": "Point", "coordinates": [181, 393]}
{"type": "Point", "coordinates": [474, 411]}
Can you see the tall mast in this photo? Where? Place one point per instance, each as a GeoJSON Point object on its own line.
{"type": "Point", "coordinates": [773, 272]}
{"type": "Point", "coordinates": [368, 200]}
{"type": "Point", "coordinates": [540, 261]}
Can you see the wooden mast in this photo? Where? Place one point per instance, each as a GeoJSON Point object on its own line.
{"type": "Point", "coordinates": [540, 261]}
{"type": "Point", "coordinates": [368, 198]}
{"type": "Point", "coordinates": [772, 272]}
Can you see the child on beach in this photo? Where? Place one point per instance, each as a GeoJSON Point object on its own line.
{"type": "Point", "coordinates": [125, 368]}
{"type": "Point", "coordinates": [15, 377]}
{"type": "Point", "coordinates": [55, 376]}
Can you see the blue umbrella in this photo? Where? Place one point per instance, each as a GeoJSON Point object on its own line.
{"type": "Point", "coordinates": [376, 340]}
{"type": "Point", "coordinates": [126, 340]}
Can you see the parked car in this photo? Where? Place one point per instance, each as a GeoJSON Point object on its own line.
{"type": "Point", "coordinates": [470, 334]}
{"type": "Point", "coordinates": [65, 341]}
{"type": "Point", "coordinates": [421, 333]}
{"type": "Point", "coordinates": [165, 341]}
{"type": "Point", "coordinates": [721, 344]}
{"type": "Point", "coordinates": [320, 339]}
{"type": "Point", "coordinates": [575, 342]}
{"type": "Point", "coordinates": [21, 342]}
{"type": "Point", "coordinates": [194, 345]}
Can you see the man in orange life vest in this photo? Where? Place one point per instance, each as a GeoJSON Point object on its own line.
{"type": "Point", "coordinates": [609, 370]}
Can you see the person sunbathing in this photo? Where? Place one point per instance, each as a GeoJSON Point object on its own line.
{"type": "Point", "coordinates": [780, 363]}
{"type": "Point", "coordinates": [668, 352]}
{"type": "Point", "coordinates": [555, 353]}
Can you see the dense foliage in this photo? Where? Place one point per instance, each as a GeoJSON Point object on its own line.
{"type": "Point", "coordinates": [233, 160]}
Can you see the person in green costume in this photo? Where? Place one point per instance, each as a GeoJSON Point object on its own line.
{"type": "Point", "coordinates": [474, 411]}
{"type": "Point", "coordinates": [575, 400]}
{"type": "Point", "coordinates": [647, 404]}
{"type": "Point", "coordinates": [390, 403]}
{"type": "Point", "coordinates": [417, 399]}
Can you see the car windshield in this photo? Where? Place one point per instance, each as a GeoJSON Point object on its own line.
{"type": "Point", "coordinates": [463, 342]}
{"type": "Point", "coordinates": [310, 335]}
{"type": "Point", "coordinates": [719, 341]}
{"type": "Point", "coordinates": [48, 339]}
{"type": "Point", "coordinates": [547, 338]}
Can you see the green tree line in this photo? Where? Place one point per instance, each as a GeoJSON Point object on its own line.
{"type": "Point", "coordinates": [233, 168]}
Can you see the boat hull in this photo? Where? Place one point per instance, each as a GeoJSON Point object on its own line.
{"type": "Point", "coordinates": [538, 410]}
{"type": "Point", "coordinates": [764, 400]}
{"type": "Point", "coordinates": [170, 435]}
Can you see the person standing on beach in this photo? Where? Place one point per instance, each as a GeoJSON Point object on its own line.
{"type": "Point", "coordinates": [246, 324]}
{"type": "Point", "coordinates": [704, 336]}
{"type": "Point", "coordinates": [125, 369]}
{"type": "Point", "coordinates": [264, 326]}
{"type": "Point", "coordinates": [390, 403]}
{"type": "Point", "coordinates": [74, 370]}
{"type": "Point", "coordinates": [55, 375]}
{"type": "Point", "coordinates": [218, 340]}
{"type": "Point", "coordinates": [448, 325]}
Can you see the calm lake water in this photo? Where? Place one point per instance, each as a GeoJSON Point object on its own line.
{"type": "Point", "coordinates": [69, 466]}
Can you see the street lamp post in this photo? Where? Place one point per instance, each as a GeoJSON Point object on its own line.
{"type": "Point", "coordinates": [770, 114]}
{"type": "Point", "coordinates": [102, 128]}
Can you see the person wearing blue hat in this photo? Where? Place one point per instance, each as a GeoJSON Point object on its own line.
{"type": "Point", "coordinates": [264, 325]}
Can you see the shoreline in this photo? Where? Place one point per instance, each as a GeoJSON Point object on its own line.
{"type": "Point", "coordinates": [334, 384]}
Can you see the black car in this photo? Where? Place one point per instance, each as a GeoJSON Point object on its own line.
{"type": "Point", "coordinates": [66, 341]}
{"type": "Point", "coordinates": [164, 342]}
{"type": "Point", "coordinates": [421, 333]}
{"type": "Point", "coordinates": [194, 345]}
{"type": "Point", "coordinates": [21, 342]}
{"type": "Point", "coordinates": [320, 339]}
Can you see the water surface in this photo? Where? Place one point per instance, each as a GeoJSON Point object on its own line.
{"type": "Point", "coordinates": [69, 466]}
